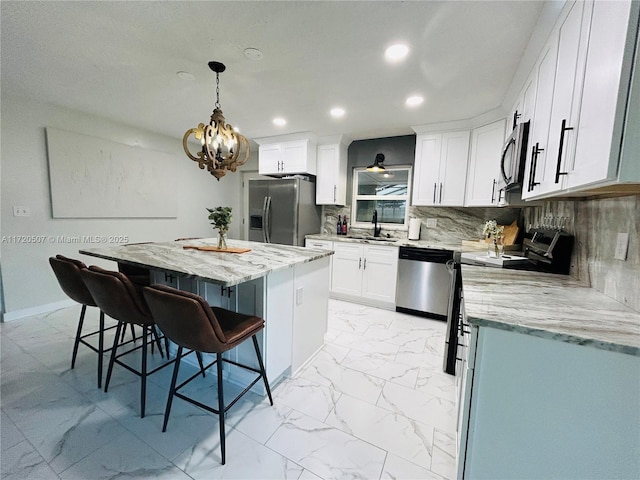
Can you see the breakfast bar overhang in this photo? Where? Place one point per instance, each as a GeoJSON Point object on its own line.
{"type": "Point", "coordinates": [287, 286]}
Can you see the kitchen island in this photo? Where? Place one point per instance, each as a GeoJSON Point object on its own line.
{"type": "Point", "coordinates": [550, 387]}
{"type": "Point", "coordinates": [287, 286]}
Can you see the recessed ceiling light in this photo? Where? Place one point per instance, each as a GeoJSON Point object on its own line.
{"type": "Point", "coordinates": [337, 112]}
{"type": "Point", "coordinates": [396, 52]}
{"type": "Point", "coordinates": [279, 121]}
{"type": "Point", "coordinates": [253, 54]}
{"type": "Point", "coordinates": [414, 101]}
{"type": "Point", "coordinates": [185, 76]}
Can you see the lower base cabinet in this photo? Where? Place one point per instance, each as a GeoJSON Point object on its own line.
{"type": "Point", "coordinates": [542, 408]}
{"type": "Point", "coordinates": [365, 273]}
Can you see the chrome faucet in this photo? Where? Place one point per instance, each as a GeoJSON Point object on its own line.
{"type": "Point", "coordinates": [376, 228]}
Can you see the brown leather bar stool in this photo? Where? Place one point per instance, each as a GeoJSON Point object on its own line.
{"type": "Point", "coordinates": [116, 296]}
{"type": "Point", "coordinates": [67, 271]}
{"type": "Point", "coordinates": [191, 323]}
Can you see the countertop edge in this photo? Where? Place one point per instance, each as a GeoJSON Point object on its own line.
{"type": "Point", "coordinates": [554, 335]}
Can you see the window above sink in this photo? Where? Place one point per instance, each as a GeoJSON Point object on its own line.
{"type": "Point", "coordinates": [387, 191]}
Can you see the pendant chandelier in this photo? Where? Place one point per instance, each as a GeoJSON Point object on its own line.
{"type": "Point", "coordinates": [222, 147]}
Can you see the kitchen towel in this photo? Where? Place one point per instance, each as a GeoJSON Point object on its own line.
{"type": "Point", "coordinates": [414, 228]}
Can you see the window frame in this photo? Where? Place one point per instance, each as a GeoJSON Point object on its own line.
{"type": "Point", "coordinates": [355, 197]}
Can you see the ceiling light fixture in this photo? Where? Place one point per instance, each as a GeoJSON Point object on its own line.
{"type": "Point", "coordinates": [279, 121]}
{"type": "Point", "coordinates": [223, 148]}
{"type": "Point", "coordinates": [397, 52]}
{"type": "Point", "coordinates": [377, 164]}
{"type": "Point", "coordinates": [337, 112]}
{"type": "Point", "coordinates": [414, 101]}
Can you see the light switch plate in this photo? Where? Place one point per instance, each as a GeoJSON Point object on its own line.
{"type": "Point", "coordinates": [622, 245]}
{"type": "Point", "coordinates": [432, 222]}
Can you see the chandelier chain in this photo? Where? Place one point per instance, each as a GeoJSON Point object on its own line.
{"type": "Point", "coordinates": [217, 90]}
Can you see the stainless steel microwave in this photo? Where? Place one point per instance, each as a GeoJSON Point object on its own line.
{"type": "Point", "coordinates": [514, 155]}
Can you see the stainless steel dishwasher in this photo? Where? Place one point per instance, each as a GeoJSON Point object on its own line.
{"type": "Point", "coordinates": [424, 283]}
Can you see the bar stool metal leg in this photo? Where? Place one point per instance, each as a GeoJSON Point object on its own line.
{"type": "Point", "coordinates": [263, 373]}
{"type": "Point", "coordinates": [221, 406]}
{"type": "Point", "coordinates": [172, 389]}
{"type": "Point", "coordinates": [112, 358]}
{"type": "Point", "coordinates": [78, 335]}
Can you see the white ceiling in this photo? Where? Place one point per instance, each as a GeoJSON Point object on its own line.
{"type": "Point", "coordinates": [119, 60]}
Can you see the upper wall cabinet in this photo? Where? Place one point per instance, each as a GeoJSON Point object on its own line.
{"type": "Point", "coordinates": [484, 165]}
{"type": "Point", "coordinates": [331, 179]}
{"type": "Point", "coordinates": [581, 108]}
{"type": "Point", "coordinates": [441, 168]}
{"type": "Point", "coordinates": [286, 157]}
{"type": "Point", "coordinates": [558, 76]}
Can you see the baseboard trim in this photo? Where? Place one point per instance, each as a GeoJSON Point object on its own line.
{"type": "Point", "coordinates": [39, 310]}
{"type": "Point", "coordinates": [363, 301]}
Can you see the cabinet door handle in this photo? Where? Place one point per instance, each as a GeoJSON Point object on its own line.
{"type": "Point", "coordinates": [359, 263]}
{"type": "Point", "coordinates": [493, 191]}
{"type": "Point", "coordinates": [534, 164]}
{"type": "Point", "coordinates": [435, 188]}
{"type": "Point", "coordinates": [334, 193]}
{"type": "Point", "coordinates": [440, 197]}
{"type": "Point", "coordinates": [563, 129]}
{"type": "Point", "coordinates": [516, 116]}
{"type": "Point", "coordinates": [365, 264]}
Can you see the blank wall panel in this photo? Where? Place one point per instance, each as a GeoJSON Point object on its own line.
{"type": "Point", "coordinates": [96, 178]}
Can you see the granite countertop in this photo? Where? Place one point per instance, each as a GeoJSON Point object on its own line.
{"type": "Point", "coordinates": [549, 306]}
{"type": "Point", "coordinates": [226, 269]}
{"type": "Point", "coordinates": [397, 242]}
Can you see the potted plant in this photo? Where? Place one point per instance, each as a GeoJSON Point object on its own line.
{"type": "Point", "coordinates": [221, 219]}
{"type": "Point", "coordinates": [496, 232]}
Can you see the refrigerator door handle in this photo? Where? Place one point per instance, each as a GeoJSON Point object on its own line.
{"type": "Point", "coordinates": [267, 220]}
{"type": "Point", "coordinates": [264, 219]}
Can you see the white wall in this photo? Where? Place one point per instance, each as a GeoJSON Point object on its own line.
{"type": "Point", "coordinates": [28, 283]}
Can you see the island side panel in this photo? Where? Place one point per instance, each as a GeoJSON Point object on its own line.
{"type": "Point", "coordinates": [278, 304]}
{"type": "Point", "coordinates": [543, 408]}
{"type": "Point", "coordinates": [311, 309]}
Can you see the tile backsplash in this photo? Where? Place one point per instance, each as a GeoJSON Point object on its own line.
{"type": "Point", "coordinates": [452, 224]}
{"type": "Point", "coordinates": [595, 225]}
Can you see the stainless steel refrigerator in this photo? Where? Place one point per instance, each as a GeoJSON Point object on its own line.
{"type": "Point", "coordinates": [283, 211]}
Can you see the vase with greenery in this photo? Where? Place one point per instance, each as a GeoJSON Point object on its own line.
{"type": "Point", "coordinates": [495, 232]}
{"type": "Point", "coordinates": [221, 219]}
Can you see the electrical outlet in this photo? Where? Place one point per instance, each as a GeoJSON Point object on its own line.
{"type": "Point", "coordinates": [432, 222]}
{"type": "Point", "coordinates": [21, 211]}
{"type": "Point", "coordinates": [622, 245]}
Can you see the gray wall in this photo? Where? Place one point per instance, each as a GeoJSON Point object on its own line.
{"type": "Point", "coordinates": [362, 153]}
{"type": "Point", "coordinates": [28, 285]}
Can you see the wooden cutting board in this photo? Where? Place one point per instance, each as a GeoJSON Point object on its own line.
{"type": "Point", "coordinates": [510, 233]}
{"type": "Point", "coordinates": [210, 248]}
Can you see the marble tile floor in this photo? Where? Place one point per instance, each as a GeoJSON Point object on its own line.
{"type": "Point", "coordinates": [372, 404]}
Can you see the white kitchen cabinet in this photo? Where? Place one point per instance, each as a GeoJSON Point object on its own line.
{"type": "Point", "coordinates": [441, 168]}
{"type": "Point", "coordinates": [530, 398]}
{"type": "Point", "coordinates": [569, 41]}
{"type": "Point", "coordinates": [582, 110]}
{"type": "Point", "coordinates": [484, 165]}
{"type": "Point", "coordinates": [287, 158]}
{"type": "Point", "coordinates": [522, 110]}
{"type": "Point", "coordinates": [544, 74]}
{"type": "Point", "coordinates": [331, 179]}
{"type": "Point", "coordinates": [322, 245]}
{"type": "Point", "coordinates": [365, 273]}
{"type": "Point", "coordinates": [606, 115]}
